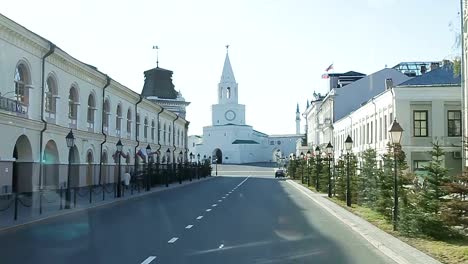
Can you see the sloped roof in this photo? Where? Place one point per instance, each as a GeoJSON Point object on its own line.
{"type": "Point", "coordinates": [349, 73]}
{"type": "Point", "coordinates": [442, 76]}
{"type": "Point", "coordinates": [243, 141]}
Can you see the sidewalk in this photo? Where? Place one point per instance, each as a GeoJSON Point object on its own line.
{"type": "Point", "coordinates": [394, 248]}
{"type": "Point", "coordinates": [28, 208]}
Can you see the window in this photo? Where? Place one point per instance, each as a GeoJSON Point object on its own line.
{"type": "Point", "coordinates": [106, 114]}
{"type": "Point", "coordinates": [164, 134]}
{"type": "Point", "coordinates": [91, 109]}
{"type": "Point", "coordinates": [129, 121]}
{"type": "Point", "coordinates": [145, 131]}
{"type": "Point", "coordinates": [371, 131]}
{"type": "Point", "coordinates": [159, 131]}
{"type": "Point", "coordinates": [73, 104]}
{"type": "Point", "coordinates": [51, 95]}
{"type": "Point", "coordinates": [169, 134]}
{"type": "Point", "coordinates": [152, 130]}
{"type": "Point", "coordinates": [385, 127]}
{"type": "Point", "coordinates": [380, 129]}
{"type": "Point", "coordinates": [137, 130]}
{"type": "Point", "coordinates": [118, 119]}
{"type": "Point", "coordinates": [228, 93]}
{"type": "Point", "coordinates": [22, 80]}
{"type": "Point", "coordinates": [178, 137]}
{"type": "Point", "coordinates": [367, 133]}
{"type": "Point", "coordinates": [420, 123]}
{"type": "Point", "coordinates": [272, 142]}
{"type": "Point", "coordinates": [278, 142]}
{"type": "Point", "coordinates": [454, 123]}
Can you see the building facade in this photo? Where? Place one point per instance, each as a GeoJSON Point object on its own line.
{"type": "Point", "coordinates": [45, 93]}
{"type": "Point", "coordinates": [229, 139]}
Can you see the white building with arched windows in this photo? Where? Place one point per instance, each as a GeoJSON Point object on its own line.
{"type": "Point", "coordinates": [229, 139]}
{"type": "Point", "coordinates": [45, 92]}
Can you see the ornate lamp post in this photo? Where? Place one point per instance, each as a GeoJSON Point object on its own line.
{"type": "Point", "coordinates": [181, 154]}
{"type": "Point", "coordinates": [191, 157]}
{"type": "Point", "coordinates": [348, 146]}
{"type": "Point", "coordinates": [119, 147]}
{"type": "Point", "coordinates": [396, 132]}
{"type": "Point", "coordinates": [308, 155]}
{"type": "Point", "coordinates": [70, 143]}
{"type": "Point", "coordinates": [148, 180]}
{"type": "Point", "coordinates": [329, 153]}
{"type": "Point", "coordinates": [198, 158]}
{"type": "Point", "coordinates": [168, 171]}
{"type": "Point", "coordinates": [317, 155]}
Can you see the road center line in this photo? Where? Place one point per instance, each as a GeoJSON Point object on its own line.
{"type": "Point", "coordinates": [209, 209]}
{"type": "Point", "coordinates": [220, 201]}
{"type": "Point", "coordinates": [189, 226]}
{"type": "Point", "coordinates": [214, 205]}
{"type": "Point", "coordinates": [149, 259]}
{"type": "Point", "coordinates": [174, 239]}
{"type": "Point", "coordinates": [199, 217]}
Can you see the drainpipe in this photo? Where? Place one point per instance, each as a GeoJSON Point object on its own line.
{"type": "Point", "coordinates": [159, 130]}
{"type": "Point", "coordinates": [41, 141]}
{"type": "Point", "coordinates": [462, 84]}
{"type": "Point", "coordinates": [108, 79]}
{"type": "Point", "coordinates": [375, 122]}
{"type": "Point", "coordinates": [173, 138]}
{"type": "Point", "coordinates": [136, 134]}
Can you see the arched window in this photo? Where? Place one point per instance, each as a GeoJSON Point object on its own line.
{"type": "Point", "coordinates": [169, 134]}
{"type": "Point", "coordinates": [228, 93]}
{"type": "Point", "coordinates": [129, 121]}
{"type": "Point", "coordinates": [164, 134]}
{"type": "Point", "coordinates": [91, 109]}
{"type": "Point", "coordinates": [106, 114]}
{"type": "Point", "coordinates": [152, 130]}
{"type": "Point", "coordinates": [118, 119]}
{"type": "Point", "coordinates": [178, 136]}
{"type": "Point", "coordinates": [22, 83]}
{"type": "Point", "coordinates": [50, 96]}
{"type": "Point", "coordinates": [73, 103]}
{"type": "Point", "coordinates": [145, 131]}
{"type": "Point", "coordinates": [138, 126]}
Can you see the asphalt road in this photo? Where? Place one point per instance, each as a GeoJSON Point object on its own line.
{"type": "Point", "coordinates": [250, 218]}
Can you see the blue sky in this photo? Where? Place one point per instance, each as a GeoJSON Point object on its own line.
{"type": "Point", "coordinates": [278, 48]}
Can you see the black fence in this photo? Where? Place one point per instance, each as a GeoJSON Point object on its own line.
{"type": "Point", "coordinates": [94, 186]}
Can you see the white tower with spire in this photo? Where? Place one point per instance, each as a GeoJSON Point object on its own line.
{"type": "Point", "coordinates": [298, 120]}
{"type": "Point", "coordinates": [228, 110]}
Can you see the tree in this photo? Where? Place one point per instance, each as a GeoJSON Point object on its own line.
{"type": "Point", "coordinates": [367, 179]}
{"type": "Point", "coordinates": [455, 210]}
{"type": "Point", "coordinates": [340, 179]}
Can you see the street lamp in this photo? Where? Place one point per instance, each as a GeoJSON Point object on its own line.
{"type": "Point", "coordinates": [191, 157]}
{"type": "Point", "coordinates": [309, 155]}
{"type": "Point", "coordinates": [70, 143]}
{"type": "Point", "coordinates": [317, 155]}
{"type": "Point", "coordinates": [148, 180]}
{"type": "Point", "coordinates": [396, 132]}
{"type": "Point", "coordinates": [348, 146]}
{"type": "Point", "coordinates": [198, 158]}
{"type": "Point", "coordinates": [119, 179]}
{"type": "Point", "coordinates": [168, 155]}
{"type": "Point", "coordinates": [302, 166]}
{"type": "Point", "coordinates": [329, 152]}
{"type": "Point", "coordinates": [181, 154]}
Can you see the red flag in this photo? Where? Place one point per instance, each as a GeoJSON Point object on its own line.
{"type": "Point", "coordinates": [325, 76]}
{"type": "Point", "coordinates": [329, 67]}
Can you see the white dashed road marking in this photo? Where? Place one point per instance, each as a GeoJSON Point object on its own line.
{"type": "Point", "coordinates": [189, 226]}
{"type": "Point", "coordinates": [214, 205]}
{"type": "Point", "coordinates": [200, 217]}
{"type": "Point", "coordinates": [174, 239]}
{"type": "Point", "coordinates": [149, 259]}
{"type": "Point", "coordinates": [208, 210]}
{"type": "Point", "coordinates": [220, 201]}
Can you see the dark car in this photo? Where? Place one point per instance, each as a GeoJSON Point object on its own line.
{"type": "Point", "coordinates": [280, 174]}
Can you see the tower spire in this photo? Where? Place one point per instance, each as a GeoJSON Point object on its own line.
{"type": "Point", "coordinates": [157, 55]}
{"type": "Point", "coordinates": [228, 74]}
{"type": "Point", "coordinates": [298, 120]}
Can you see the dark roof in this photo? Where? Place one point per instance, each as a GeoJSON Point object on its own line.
{"type": "Point", "coordinates": [158, 82]}
{"type": "Point", "coordinates": [349, 73]}
{"type": "Point", "coordinates": [242, 141]}
{"type": "Point", "coordinates": [442, 76]}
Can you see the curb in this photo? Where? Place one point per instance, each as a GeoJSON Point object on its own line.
{"type": "Point", "coordinates": [106, 203]}
{"type": "Point", "coordinates": [380, 246]}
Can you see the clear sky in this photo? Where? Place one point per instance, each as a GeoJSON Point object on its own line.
{"type": "Point", "coordinates": [278, 48]}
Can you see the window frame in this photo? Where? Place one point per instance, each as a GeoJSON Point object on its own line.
{"type": "Point", "coordinates": [426, 120]}
{"type": "Point", "coordinates": [449, 121]}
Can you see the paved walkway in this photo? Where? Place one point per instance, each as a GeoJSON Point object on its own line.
{"type": "Point", "coordinates": [28, 208]}
{"type": "Point", "coordinates": [394, 248]}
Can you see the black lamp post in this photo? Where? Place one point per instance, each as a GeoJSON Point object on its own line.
{"type": "Point", "coordinates": [198, 158]}
{"type": "Point", "coordinates": [348, 146]}
{"type": "Point", "coordinates": [70, 143]}
{"type": "Point", "coordinates": [181, 154]}
{"type": "Point", "coordinates": [168, 171]}
{"type": "Point", "coordinates": [295, 165]}
{"type": "Point", "coordinates": [396, 132]}
{"type": "Point", "coordinates": [317, 169]}
{"type": "Point", "coordinates": [308, 155]}
{"type": "Point", "coordinates": [148, 180]}
{"type": "Point", "coordinates": [302, 167]}
{"type": "Point", "coordinates": [119, 177]}
{"type": "Point", "coordinates": [329, 152]}
{"type": "Point", "coordinates": [191, 157]}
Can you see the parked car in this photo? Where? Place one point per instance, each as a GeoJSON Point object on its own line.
{"type": "Point", "coordinates": [280, 174]}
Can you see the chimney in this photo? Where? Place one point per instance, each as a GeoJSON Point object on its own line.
{"type": "Point", "coordinates": [388, 83]}
{"type": "Point", "coordinates": [434, 65]}
{"type": "Point", "coordinates": [423, 69]}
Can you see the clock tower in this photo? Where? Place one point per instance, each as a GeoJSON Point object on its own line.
{"type": "Point", "coordinates": [228, 110]}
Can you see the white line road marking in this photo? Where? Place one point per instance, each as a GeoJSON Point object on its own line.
{"type": "Point", "coordinates": [221, 246]}
{"type": "Point", "coordinates": [149, 259]}
{"type": "Point", "coordinates": [214, 205]}
{"type": "Point", "coordinates": [189, 226]}
{"type": "Point", "coordinates": [224, 197]}
{"type": "Point", "coordinates": [199, 217]}
{"type": "Point", "coordinates": [220, 201]}
{"type": "Point", "coordinates": [208, 210]}
{"type": "Point", "coordinates": [174, 239]}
